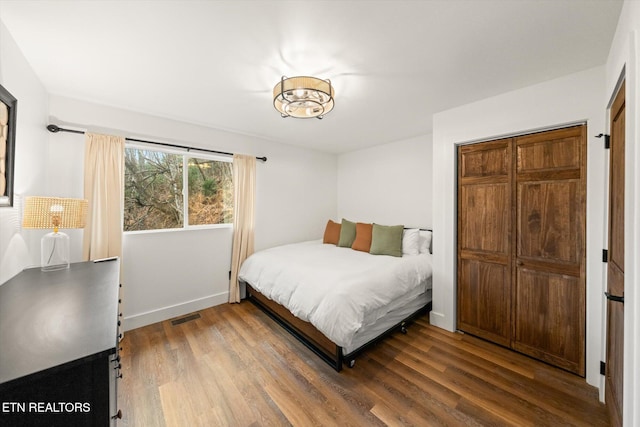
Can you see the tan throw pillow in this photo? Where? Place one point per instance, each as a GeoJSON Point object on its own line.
{"type": "Point", "coordinates": [331, 233]}
{"type": "Point", "coordinates": [363, 237]}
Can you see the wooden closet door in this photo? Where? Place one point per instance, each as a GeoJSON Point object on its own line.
{"type": "Point", "coordinates": [549, 293]}
{"type": "Point", "coordinates": [484, 240]}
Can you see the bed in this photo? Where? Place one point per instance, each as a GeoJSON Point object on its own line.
{"type": "Point", "coordinates": [336, 300]}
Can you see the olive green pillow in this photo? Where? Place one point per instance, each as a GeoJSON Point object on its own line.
{"type": "Point", "coordinates": [347, 233]}
{"type": "Point", "coordinates": [386, 240]}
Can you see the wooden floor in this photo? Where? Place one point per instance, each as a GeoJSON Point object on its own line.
{"type": "Point", "coordinates": [236, 367]}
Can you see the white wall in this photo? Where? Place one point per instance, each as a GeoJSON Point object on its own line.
{"type": "Point", "coordinates": [387, 184]}
{"type": "Point", "coordinates": [21, 248]}
{"type": "Point", "coordinates": [574, 98]}
{"type": "Point", "coordinates": [169, 273]}
{"type": "Point", "coordinates": [624, 58]}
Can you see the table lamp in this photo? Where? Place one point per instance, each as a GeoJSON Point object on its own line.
{"type": "Point", "coordinates": [55, 213]}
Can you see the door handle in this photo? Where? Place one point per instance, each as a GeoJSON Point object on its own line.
{"type": "Point", "coordinates": [614, 298]}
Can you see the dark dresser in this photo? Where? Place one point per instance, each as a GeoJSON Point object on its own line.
{"type": "Point", "coordinates": [59, 362]}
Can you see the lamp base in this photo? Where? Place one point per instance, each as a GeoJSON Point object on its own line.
{"type": "Point", "coordinates": [54, 251]}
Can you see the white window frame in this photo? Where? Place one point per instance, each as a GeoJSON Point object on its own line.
{"type": "Point", "coordinates": [186, 155]}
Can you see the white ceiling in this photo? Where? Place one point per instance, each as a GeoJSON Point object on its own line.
{"type": "Point", "coordinates": [393, 63]}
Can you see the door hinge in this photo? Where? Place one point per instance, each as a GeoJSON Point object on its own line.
{"type": "Point", "coordinates": [605, 255]}
{"type": "Point", "coordinates": [229, 274]}
{"type": "Point", "coordinates": [603, 368]}
{"type": "Point", "coordinates": [607, 140]}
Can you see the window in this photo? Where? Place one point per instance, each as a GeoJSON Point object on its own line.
{"type": "Point", "coordinates": [159, 184]}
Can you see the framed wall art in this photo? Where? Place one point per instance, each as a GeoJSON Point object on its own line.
{"type": "Point", "coordinates": [8, 111]}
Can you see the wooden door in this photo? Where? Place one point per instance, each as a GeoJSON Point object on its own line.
{"type": "Point", "coordinates": [484, 240]}
{"type": "Point", "coordinates": [615, 266]}
{"type": "Point", "coordinates": [549, 264]}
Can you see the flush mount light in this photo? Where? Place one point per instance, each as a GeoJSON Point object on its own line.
{"type": "Point", "coordinates": [303, 97]}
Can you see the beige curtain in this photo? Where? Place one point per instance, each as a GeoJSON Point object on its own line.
{"type": "Point", "coordinates": [104, 189]}
{"type": "Point", "coordinates": [244, 193]}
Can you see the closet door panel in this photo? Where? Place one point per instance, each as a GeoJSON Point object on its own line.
{"type": "Point", "coordinates": [549, 227]}
{"type": "Point", "coordinates": [486, 218]}
{"type": "Point", "coordinates": [484, 240]}
{"type": "Point", "coordinates": [550, 288]}
{"type": "Point", "coordinates": [560, 153]}
{"type": "Point", "coordinates": [550, 318]}
{"type": "Point", "coordinates": [484, 285]}
{"type": "Point", "coordinates": [490, 160]}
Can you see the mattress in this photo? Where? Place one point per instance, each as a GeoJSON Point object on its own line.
{"type": "Point", "coordinates": [392, 317]}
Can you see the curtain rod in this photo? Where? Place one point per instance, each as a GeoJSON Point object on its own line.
{"type": "Point", "coordinates": [56, 129]}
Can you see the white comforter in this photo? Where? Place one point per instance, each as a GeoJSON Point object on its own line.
{"type": "Point", "coordinates": [335, 289]}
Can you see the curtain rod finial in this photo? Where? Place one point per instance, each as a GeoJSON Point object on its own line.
{"type": "Point", "coordinates": [53, 128]}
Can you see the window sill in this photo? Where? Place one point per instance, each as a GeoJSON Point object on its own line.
{"type": "Point", "coordinates": [173, 230]}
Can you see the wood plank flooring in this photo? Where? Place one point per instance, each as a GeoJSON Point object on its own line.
{"type": "Point", "coordinates": [234, 366]}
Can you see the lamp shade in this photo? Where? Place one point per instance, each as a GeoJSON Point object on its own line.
{"type": "Point", "coordinates": [54, 212]}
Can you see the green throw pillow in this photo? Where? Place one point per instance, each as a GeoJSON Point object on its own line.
{"type": "Point", "coordinates": [347, 233]}
{"type": "Point", "coordinates": [386, 240]}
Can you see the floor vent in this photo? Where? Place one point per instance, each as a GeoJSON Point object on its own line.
{"type": "Point", "coordinates": [185, 319]}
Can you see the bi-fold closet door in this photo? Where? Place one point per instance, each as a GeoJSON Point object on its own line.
{"type": "Point", "coordinates": [521, 244]}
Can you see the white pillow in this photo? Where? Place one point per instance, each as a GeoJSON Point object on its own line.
{"type": "Point", "coordinates": [410, 241]}
{"type": "Point", "coordinates": [425, 242]}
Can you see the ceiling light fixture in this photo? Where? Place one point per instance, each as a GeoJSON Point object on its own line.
{"type": "Point", "coordinates": [303, 97]}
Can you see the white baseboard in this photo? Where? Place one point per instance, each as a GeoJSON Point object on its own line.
{"type": "Point", "coordinates": [439, 320]}
{"type": "Point", "coordinates": [169, 312]}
